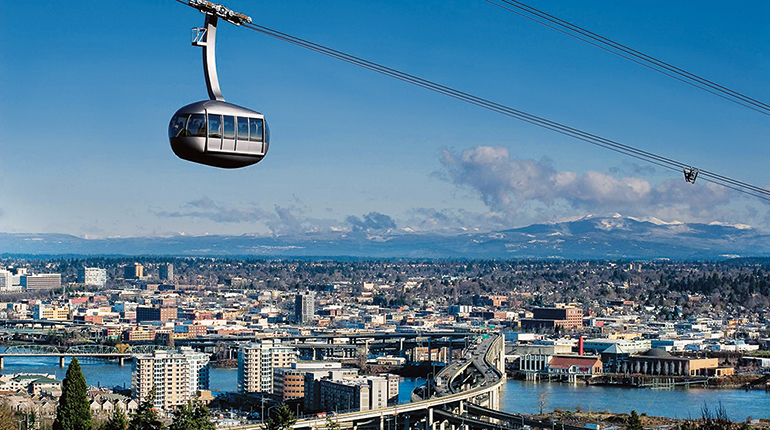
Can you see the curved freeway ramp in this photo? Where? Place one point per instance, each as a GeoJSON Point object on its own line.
{"type": "Point", "coordinates": [484, 356]}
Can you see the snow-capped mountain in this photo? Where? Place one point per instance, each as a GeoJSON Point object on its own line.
{"type": "Point", "coordinates": [613, 237]}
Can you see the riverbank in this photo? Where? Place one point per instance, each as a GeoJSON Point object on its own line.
{"type": "Point", "coordinates": [659, 382]}
{"type": "Point", "coordinates": [520, 397]}
{"type": "Point", "coordinates": [605, 420]}
{"type": "Point", "coordinates": [679, 403]}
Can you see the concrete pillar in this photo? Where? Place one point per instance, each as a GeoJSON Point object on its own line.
{"type": "Point", "coordinates": [61, 361]}
{"type": "Point", "coordinates": [431, 424]}
{"type": "Point", "coordinates": [462, 407]}
{"type": "Point", "coordinates": [121, 361]}
{"type": "Point", "coordinates": [382, 422]}
{"type": "Point", "coordinates": [2, 365]}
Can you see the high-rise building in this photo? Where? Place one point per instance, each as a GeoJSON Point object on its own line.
{"type": "Point", "coordinates": [304, 307]}
{"type": "Point", "coordinates": [6, 280]}
{"type": "Point", "coordinates": [166, 272]}
{"type": "Point", "coordinates": [133, 271]}
{"type": "Point", "coordinates": [176, 376]}
{"type": "Point", "coordinates": [257, 361]}
{"type": "Point", "coordinates": [199, 369]}
{"type": "Point", "coordinates": [46, 281]}
{"type": "Point", "coordinates": [92, 276]}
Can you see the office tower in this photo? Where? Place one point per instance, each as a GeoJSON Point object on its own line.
{"type": "Point", "coordinates": [166, 272]}
{"type": "Point", "coordinates": [6, 280]}
{"type": "Point", "coordinates": [133, 271]}
{"type": "Point", "coordinates": [304, 307]}
{"type": "Point", "coordinates": [92, 276]}
{"type": "Point", "coordinates": [46, 281]}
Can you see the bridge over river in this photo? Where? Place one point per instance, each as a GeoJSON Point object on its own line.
{"type": "Point", "coordinates": [102, 352]}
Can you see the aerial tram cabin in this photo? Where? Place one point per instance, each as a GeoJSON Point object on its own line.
{"type": "Point", "coordinates": [214, 132]}
{"type": "Point", "coordinates": [219, 134]}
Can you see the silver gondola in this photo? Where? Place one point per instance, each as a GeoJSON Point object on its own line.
{"type": "Point", "coordinates": [214, 132]}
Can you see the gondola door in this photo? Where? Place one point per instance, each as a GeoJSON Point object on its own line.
{"type": "Point", "coordinates": [214, 138]}
{"type": "Point", "coordinates": [228, 135]}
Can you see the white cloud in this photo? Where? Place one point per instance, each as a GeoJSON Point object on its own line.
{"type": "Point", "coordinates": [371, 221]}
{"type": "Point", "coordinates": [520, 188]}
{"type": "Point", "coordinates": [281, 220]}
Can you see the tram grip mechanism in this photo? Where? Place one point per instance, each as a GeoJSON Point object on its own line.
{"type": "Point", "coordinates": [220, 11]}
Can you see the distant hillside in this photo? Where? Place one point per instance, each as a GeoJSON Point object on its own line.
{"type": "Point", "coordinates": [588, 238]}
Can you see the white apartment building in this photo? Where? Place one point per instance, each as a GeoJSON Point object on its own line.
{"type": "Point", "coordinates": [92, 276]}
{"type": "Point", "coordinates": [176, 376]}
{"type": "Point", "coordinates": [360, 393]}
{"type": "Point", "coordinates": [6, 281]}
{"type": "Point", "coordinates": [256, 362]}
{"type": "Point", "coordinates": [199, 369]}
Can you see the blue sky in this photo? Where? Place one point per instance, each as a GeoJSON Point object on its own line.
{"type": "Point", "coordinates": [88, 90]}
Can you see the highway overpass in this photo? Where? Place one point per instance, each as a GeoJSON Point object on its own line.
{"type": "Point", "coordinates": [485, 360]}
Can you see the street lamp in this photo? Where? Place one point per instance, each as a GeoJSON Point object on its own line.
{"type": "Point", "coordinates": [269, 409]}
{"type": "Point", "coordinates": [430, 378]}
{"type": "Point", "coordinates": [262, 417]}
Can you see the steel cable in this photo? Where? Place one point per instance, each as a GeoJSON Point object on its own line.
{"type": "Point", "coordinates": [627, 150]}
{"type": "Point", "coordinates": [630, 54]}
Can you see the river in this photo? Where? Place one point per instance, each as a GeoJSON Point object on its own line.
{"type": "Point", "coordinates": [518, 396]}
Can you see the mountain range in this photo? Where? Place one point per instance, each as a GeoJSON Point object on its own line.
{"type": "Point", "coordinates": [592, 237]}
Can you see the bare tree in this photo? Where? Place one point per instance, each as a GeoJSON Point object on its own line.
{"type": "Point", "coordinates": [542, 401]}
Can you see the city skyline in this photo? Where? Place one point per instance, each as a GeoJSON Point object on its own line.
{"type": "Point", "coordinates": [86, 152]}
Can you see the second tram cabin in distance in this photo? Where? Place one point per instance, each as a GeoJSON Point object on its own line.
{"type": "Point", "coordinates": [219, 134]}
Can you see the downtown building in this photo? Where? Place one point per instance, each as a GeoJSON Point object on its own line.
{"type": "Point", "coordinates": [257, 363]}
{"type": "Point", "coordinates": [155, 313]}
{"type": "Point", "coordinates": [360, 393]}
{"type": "Point", "coordinates": [567, 317]}
{"type": "Point", "coordinates": [166, 272]}
{"type": "Point", "coordinates": [52, 312]}
{"type": "Point", "coordinates": [304, 307]}
{"type": "Point", "coordinates": [92, 276]}
{"type": "Point", "coordinates": [176, 376]}
{"type": "Point", "coordinates": [289, 382]}
{"type": "Point", "coordinates": [133, 271]}
{"type": "Point", "coordinates": [45, 281]}
{"type": "Point", "coordinates": [6, 281]}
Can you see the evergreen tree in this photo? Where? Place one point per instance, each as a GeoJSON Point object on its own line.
{"type": "Point", "coordinates": [202, 417]}
{"type": "Point", "coordinates": [282, 419]}
{"type": "Point", "coordinates": [117, 421]}
{"type": "Point", "coordinates": [634, 422]}
{"type": "Point", "coordinates": [7, 418]}
{"type": "Point", "coordinates": [145, 417]}
{"type": "Point", "coordinates": [193, 416]}
{"type": "Point", "coordinates": [331, 424]}
{"type": "Point", "coordinates": [74, 410]}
